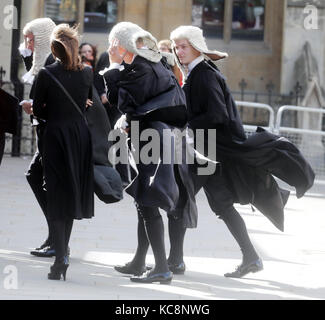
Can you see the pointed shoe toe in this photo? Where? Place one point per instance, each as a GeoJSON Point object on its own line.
{"type": "Point", "coordinates": [148, 277]}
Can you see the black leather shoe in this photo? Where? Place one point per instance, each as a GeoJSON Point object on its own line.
{"type": "Point", "coordinates": [128, 268]}
{"type": "Point", "coordinates": [177, 268]}
{"type": "Point", "coordinates": [44, 245]}
{"type": "Point", "coordinates": [149, 277]}
{"type": "Point", "coordinates": [46, 252]}
{"type": "Point", "coordinates": [244, 269]}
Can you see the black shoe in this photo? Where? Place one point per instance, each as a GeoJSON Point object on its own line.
{"type": "Point", "coordinates": [243, 269]}
{"type": "Point", "coordinates": [58, 269]}
{"type": "Point", "coordinates": [178, 268]}
{"type": "Point", "coordinates": [128, 268]}
{"type": "Point", "coordinates": [46, 252]}
{"type": "Point", "coordinates": [149, 277]}
{"type": "Point", "coordinates": [46, 243]}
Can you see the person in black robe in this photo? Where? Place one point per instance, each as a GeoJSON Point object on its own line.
{"type": "Point", "coordinates": [246, 164]}
{"type": "Point", "coordinates": [36, 53]}
{"type": "Point", "coordinates": [113, 113]}
{"type": "Point", "coordinates": [66, 142]}
{"type": "Point", "coordinates": [148, 93]}
{"type": "Point", "coordinates": [8, 117]}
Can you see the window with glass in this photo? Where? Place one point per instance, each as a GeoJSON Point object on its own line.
{"type": "Point", "coordinates": [248, 19]}
{"type": "Point", "coordinates": [209, 16]}
{"type": "Point", "coordinates": [100, 15]}
{"type": "Point", "coordinates": [61, 11]}
{"type": "Point", "coordinates": [246, 23]}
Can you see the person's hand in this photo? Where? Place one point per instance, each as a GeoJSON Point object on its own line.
{"type": "Point", "coordinates": [104, 99]}
{"type": "Point", "coordinates": [116, 52]}
{"type": "Point", "coordinates": [89, 103]}
{"type": "Point", "coordinates": [27, 107]}
{"type": "Point", "coordinates": [126, 130]}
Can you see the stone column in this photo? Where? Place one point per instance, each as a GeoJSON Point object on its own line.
{"type": "Point", "coordinates": [227, 25]}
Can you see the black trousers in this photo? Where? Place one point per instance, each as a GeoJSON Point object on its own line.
{"type": "Point", "coordinates": [221, 201]}
{"type": "Point", "coordinates": [2, 144]}
{"type": "Point", "coordinates": [35, 178]}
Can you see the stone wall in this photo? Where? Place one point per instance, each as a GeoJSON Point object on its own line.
{"type": "Point", "coordinates": [295, 37]}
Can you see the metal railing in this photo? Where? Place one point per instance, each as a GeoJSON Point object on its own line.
{"type": "Point", "coordinates": [310, 142]}
{"type": "Point", "coordinates": [249, 129]}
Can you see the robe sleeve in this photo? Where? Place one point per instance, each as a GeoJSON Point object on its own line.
{"type": "Point", "coordinates": [111, 78]}
{"type": "Point", "coordinates": [40, 94]}
{"type": "Point", "coordinates": [212, 103]}
{"type": "Point", "coordinates": [129, 88]}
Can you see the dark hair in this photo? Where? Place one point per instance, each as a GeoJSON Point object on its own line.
{"type": "Point", "coordinates": [94, 48]}
{"type": "Point", "coordinates": [64, 45]}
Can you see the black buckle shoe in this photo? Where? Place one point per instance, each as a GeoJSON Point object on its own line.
{"type": "Point", "coordinates": [178, 268]}
{"type": "Point", "coordinates": [149, 277]}
{"type": "Point", "coordinates": [244, 269]}
{"type": "Point", "coordinates": [128, 268]}
{"type": "Point", "coordinates": [46, 252]}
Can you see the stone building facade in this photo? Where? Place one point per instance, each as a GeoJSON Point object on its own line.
{"type": "Point", "coordinates": [264, 38]}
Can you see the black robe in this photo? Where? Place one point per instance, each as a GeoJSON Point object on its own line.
{"type": "Point", "coordinates": [107, 181]}
{"type": "Point", "coordinates": [248, 163]}
{"type": "Point", "coordinates": [149, 92]}
{"type": "Point", "coordinates": [8, 117]}
{"type": "Point", "coordinates": [66, 143]}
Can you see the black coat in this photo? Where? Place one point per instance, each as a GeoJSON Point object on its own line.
{"type": "Point", "coordinates": [8, 112]}
{"type": "Point", "coordinates": [149, 92]}
{"type": "Point", "coordinates": [43, 113]}
{"type": "Point", "coordinates": [66, 142]}
{"type": "Point", "coordinates": [103, 62]}
{"type": "Point", "coordinates": [8, 117]}
{"type": "Point", "coordinates": [50, 60]}
{"type": "Point", "coordinates": [107, 181]}
{"type": "Point", "coordinates": [247, 163]}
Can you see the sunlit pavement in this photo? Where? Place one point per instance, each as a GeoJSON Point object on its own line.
{"type": "Point", "coordinates": [294, 261]}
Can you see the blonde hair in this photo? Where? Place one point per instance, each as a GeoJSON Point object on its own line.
{"type": "Point", "coordinates": [166, 43]}
{"type": "Point", "coordinates": [65, 46]}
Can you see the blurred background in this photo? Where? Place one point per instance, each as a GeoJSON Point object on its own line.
{"type": "Point", "coordinates": [276, 56]}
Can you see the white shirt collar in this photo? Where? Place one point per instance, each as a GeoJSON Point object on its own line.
{"type": "Point", "coordinates": [194, 63]}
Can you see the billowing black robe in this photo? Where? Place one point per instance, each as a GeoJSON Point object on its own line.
{"type": "Point", "coordinates": [149, 92]}
{"type": "Point", "coordinates": [248, 163]}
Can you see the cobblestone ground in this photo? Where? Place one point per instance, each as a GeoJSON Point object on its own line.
{"type": "Point", "coordinates": [294, 260]}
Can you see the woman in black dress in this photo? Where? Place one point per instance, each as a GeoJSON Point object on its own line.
{"type": "Point", "coordinates": [67, 147]}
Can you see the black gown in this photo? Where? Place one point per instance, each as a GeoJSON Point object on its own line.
{"type": "Point", "coordinates": [247, 163]}
{"type": "Point", "coordinates": [149, 92]}
{"type": "Point", "coordinates": [8, 117]}
{"type": "Point", "coordinates": [67, 147]}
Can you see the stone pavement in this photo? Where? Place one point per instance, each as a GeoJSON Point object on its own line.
{"type": "Point", "coordinates": [294, 261]}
